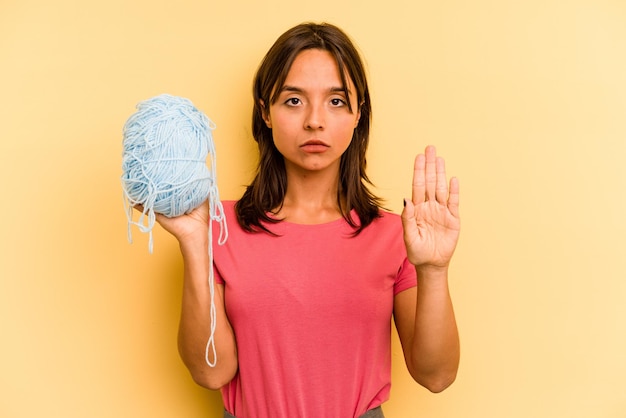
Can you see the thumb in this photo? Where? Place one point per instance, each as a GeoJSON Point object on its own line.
{"type": "Point", "coordinates": [408, 214]}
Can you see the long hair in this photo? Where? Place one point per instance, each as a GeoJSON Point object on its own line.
{"type": "Point", "coordinates": [267, 191]}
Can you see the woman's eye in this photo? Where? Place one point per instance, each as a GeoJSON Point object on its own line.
{"type": "Point", "coordinates": [337, 102]}
{"type": "Point", "coordinates": [293, 101]}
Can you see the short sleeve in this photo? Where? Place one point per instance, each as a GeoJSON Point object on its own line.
{"type": "Point", "coordinates": [217, 276]}
{"type": "Point", "coordinates": [407, 277]}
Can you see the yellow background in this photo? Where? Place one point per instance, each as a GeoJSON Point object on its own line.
{"type": "Point", "coordinates": [526, 100]}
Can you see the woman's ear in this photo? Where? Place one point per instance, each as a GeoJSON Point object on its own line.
{"type": "Point", "coordinates": [266, 114]}
{"type": "Point", "coordinates": [358, 116]}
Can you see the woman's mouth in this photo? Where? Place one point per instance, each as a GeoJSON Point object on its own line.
{"type": "Point", "coordinates": [314, 146]}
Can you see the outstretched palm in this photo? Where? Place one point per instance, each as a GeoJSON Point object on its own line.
{"type": "Point", "coordinates": [431, 218]}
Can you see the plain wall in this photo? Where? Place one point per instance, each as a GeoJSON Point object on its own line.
{"type": "Point", "coordinates": [526, 100]}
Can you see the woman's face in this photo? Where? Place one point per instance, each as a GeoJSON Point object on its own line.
{"type": "Point", "coordinates": [311, 122]}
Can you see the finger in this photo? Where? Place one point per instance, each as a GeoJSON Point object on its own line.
{"type": "Point", "coordinates": [160, 218]}
{"type": "Point", "coordinates": [453, 199]}
{"type": "Point", "coordinates": [442, 181]}
{"type": "Point", "coordinates": [419, 181]}
{"type": "Point", "coordinates": [431, 172]}
{"type": "Point", "coordinates": [408, 215]}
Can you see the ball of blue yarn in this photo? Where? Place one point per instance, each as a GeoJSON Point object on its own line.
{"type": "Point", "coordinates": [164, 169]}
{"type": "Point", "coordinates": [164, 165]}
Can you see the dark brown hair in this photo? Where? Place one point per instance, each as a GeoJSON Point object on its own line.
{"type": "Point", "coordinates": [267, 190]}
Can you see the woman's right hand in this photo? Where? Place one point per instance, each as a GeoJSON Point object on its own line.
{"type": "Point", "coordinates": [185, 227]}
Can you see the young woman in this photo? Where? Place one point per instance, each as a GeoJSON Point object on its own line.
{"type": "Point", "coordinates": [314, 270]}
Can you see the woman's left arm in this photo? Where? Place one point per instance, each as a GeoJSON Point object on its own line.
{"type": "Point", "coordinates": [424, 316]}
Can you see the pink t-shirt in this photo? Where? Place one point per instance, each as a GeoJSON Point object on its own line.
{"type": "Point", "coordinates": [311, 310]}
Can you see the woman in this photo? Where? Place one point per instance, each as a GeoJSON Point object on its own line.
{"type": "Point", "coordinates": [314, 270]}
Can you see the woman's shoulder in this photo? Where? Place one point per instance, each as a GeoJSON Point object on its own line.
{"type": "Point", "coordinates": [228, 208]}
{"type": "Point", "coordinates": [233, 218]}
{"type": "Point", "coordinates": [225, 210]}
{"type": "Point", "coordinates": [385, 215]}
{"type": "Point", "coordinates": [387, 221]}
{"type": "Point", "coordinates": [229, 205]}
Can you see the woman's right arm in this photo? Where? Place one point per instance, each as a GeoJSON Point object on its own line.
{"type": "Point", "coordinates": [191, 231]}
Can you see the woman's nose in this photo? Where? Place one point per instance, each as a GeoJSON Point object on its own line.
{"type": "Point", "coordinates": [315, 117]}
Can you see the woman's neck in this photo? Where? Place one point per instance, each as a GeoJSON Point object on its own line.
{"type": "Point", "coordinates": [311, 198]}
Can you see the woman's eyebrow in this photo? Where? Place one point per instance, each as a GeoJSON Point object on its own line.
{"type": "Point", "coordinates": [294, 89]}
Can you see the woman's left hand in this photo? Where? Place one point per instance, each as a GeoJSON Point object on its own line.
{"type": "Point", "coordinates": [430, 219]}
